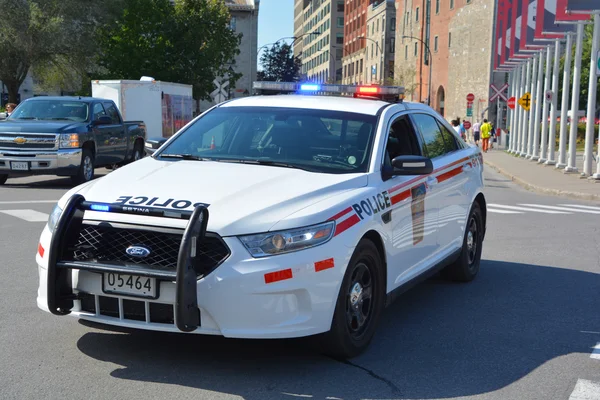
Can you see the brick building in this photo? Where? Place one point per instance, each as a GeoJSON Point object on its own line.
{"type": "Point", "coordinates": [355, 44]}
{"type": "Point", "coordinates": [459, 34]}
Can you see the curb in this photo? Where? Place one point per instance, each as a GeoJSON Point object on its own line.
{"type": "Point", "coordinates": [544, 190]}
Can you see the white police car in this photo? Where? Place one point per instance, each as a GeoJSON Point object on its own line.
{"type": "Point", "coordinates": [272, 217]}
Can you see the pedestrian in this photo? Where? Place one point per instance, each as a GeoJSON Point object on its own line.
{"type": "Point", "coordinates": [492, 136]}
{"type": "Point", "coordinates": [476, 132]}
{"type": "Point", "coordinates": [461, 129]}
{"type": "Point", "coordinates": [485, 129]}
{"type": "Point", "coordinates": [456, 125]}
{"type": "Point", "coordinates": [10, 107]}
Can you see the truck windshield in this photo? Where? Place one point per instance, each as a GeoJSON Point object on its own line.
{"type": "Point", "coordinates": [51, 110]}
{"type": "Point", "coordinates": [313, 140]}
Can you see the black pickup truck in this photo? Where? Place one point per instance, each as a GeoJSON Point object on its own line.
{"type": "Point", "coordinates": [67, 136]}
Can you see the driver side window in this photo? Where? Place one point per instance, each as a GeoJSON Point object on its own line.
{"type": "Point", "coordinates": [402, 140]}
{"type": "Point", "coordinates": [98, 111]}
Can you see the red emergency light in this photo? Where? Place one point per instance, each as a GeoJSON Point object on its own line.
{"type": "Point", "coordinates": [368, 89]}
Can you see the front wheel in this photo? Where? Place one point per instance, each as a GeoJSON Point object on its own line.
{"type": "Point", "coordinates": [359, 304]}
{"type": "Point", "coordinates": [86, 168]}
{"type": "Point", "coordinates": [138, 152]}
{"type": "Point", "coordinates": [466, 267]}
{"type": "Point", "coordinates": [3, 179]}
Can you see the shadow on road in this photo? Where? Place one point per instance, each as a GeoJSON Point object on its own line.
{"type": "Point", "coordinates": [439, 340]}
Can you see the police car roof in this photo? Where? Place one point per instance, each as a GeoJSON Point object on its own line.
{"type": "Point", "coordinates": [330, 103]}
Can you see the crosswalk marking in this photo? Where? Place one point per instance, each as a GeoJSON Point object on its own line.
{"type": "Point", "coordinates": [596, 352]}
{"type": "Point", "coordinates": [579, 206]}
{"type": "Point", "coordinates": [526, 209]}
{"type": "Point", "coordinates": [28, 201]}
{"type": "Point", "coordinates": [585, 211]}
{"type": "Point", "coordinates": [585, 390]}
{"type": "Point", "coordinates": [27, 215]}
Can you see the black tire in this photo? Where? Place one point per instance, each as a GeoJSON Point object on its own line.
{"type": "Point", "coordinates": [138, 152]}
{"type": "Point", "coordinates": [348, 337]}
{"type": "Point", "coordinates": [466, 267]}
{"type": "Point", "coordinates": [86, 168]}
{"type": "Point", "coordinates": [3, 179]}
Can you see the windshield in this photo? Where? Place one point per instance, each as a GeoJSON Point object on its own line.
{"type": "Point", "coordinates": [52, 110]}
{"type": "Point", "coordinates": [314, 140]}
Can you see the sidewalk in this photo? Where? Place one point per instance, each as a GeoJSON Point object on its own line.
{"type": "Point", "coordinates": [541, 178]}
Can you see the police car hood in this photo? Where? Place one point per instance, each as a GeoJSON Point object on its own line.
{"type": "Point", "coordinates": [241, 198]}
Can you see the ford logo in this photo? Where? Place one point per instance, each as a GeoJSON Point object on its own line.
{"type": "Point", "coordinates": [138, 251]}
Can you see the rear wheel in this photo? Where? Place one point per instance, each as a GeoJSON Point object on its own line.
{"type": "Point", "coordinates": [359, 304]}
{"type": "Point", "coordinates": [86, 168]}
{"type": "Point", "coordinates": [466, 267]}
{"type": "Point", "coordinates": [3, 179]}
{"type": "Point", "coordinates": [138, 152]}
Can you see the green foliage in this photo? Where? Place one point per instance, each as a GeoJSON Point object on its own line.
{"type": "Point", "coordinates": [189, 43]}
{"type": "Point", "coordinates": [48, 34]}
{"type": "Point", "coordinates": [279, 64]}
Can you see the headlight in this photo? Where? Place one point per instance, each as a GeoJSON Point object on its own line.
{"type": "Point", "coordinates": [69, 141]}
{"type": "Point", "coordinates": [54, 216]}
{"type": "Point", "coordinates": [272, 243]}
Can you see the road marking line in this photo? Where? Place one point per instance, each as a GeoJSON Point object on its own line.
{"type": "Point", "coordinates": [492, 210]}
{"type": "Point", "coordinates": [528, 209]}
{"type": "Point", "coordinates": [596, 352]}
{"type": "Point", "coordinates": [596, 333]}
{"type": "Point", "coordinates": [578, 206]}
{"type": "Point", "coordinates": [585, 390]}
{"type": "Point", "coordinates": [27, 215]}
{"type": "Point", "coordinates": [562, 208]}
{"type": "Point", "coordinates": [29, 202]}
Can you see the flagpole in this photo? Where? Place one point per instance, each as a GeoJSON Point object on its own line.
{"type": "Point", "coordinates": [547, 83]}
{"type": "Point", "coordinates": [533, 90]}
{"type": "Point", "coordinates": [591, 107]}
{"type": "Point", "coordinates": [572, 166]}
{"type": "Point", "coordinates": [525, 113]}
{"type": "Point", "coordinates": [562, 147]}
{"type": "Point", "coordinates": [552, 132]}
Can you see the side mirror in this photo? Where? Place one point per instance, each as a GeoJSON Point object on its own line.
{"type": "Point", "coordinates": [102, 120]}
{"type": "Point", "coordinates": [410, 165]}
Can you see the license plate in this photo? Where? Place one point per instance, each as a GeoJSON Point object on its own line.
{"type": "Point", "coordinates": [19, 165]}
{"type": "Point", "coordinates": [131, 285]}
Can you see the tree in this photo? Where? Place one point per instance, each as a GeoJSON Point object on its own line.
{"type": "Point", "coordinates": [189, 42]}
{"type": "Point", "coordinates": [42, 33]}
{"type": "Point", "coordinates": [404, 75]}
{"type": "Point", "coordinates": [280, 65]}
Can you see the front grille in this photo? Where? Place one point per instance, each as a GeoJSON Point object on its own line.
{"type": "Point", "coordinates": [106, 244]}
{"type": "Point", "coordinates": [37, 141]}
{"type": "Point", "coordinates": [132, 309]}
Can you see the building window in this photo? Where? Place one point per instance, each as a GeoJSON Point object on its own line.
{"type": "Point", "coordinates": [339, 38]}
{"type": "Point", "coordinates": [406, 52]}
{"type": "Point", "coordinates": [393, 22]}
{"type": "Point", "coordinates": [382, 24]}
{"type": "Point", "coordinates": [371, 50]}
{"type": "Point", "coordinates": [449, 39]}
{"type": "Point", "coordinates": [361, 65]}
{"type": "Point", "coordinates": [451, 4]}
{"type": "Point", "coordinates": [340, 22]}
{"type": "Point", "coordinates": [437, 6]}
{"type": "Point", "coordinates": [377, 26]}
{"type": "Point", "coordinates": [468, 1]}
{"type": "Point", "coordinates": [435, 44]}
{"type": "Point", "coordinates": [416, 49]}
{"type": "Point", "coordinates": [417, 15]}
{"type": "Point", "coordinates": [392, 45]}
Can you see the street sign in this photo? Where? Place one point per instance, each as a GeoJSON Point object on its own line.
{"type": "Point", "coordinates": [469, 112]}
{"type": "Point", "coordinates": [219, 95]}
{"type": "Point", "coordinates": [549, 95]}
{"type": "Point", "coordinates": [525, 101]}
{"type": "Point", "coordinates": [470, 97]}
{"type": "Point", "coordinates": [512, 103]}
{"type": "Point", "coordinates": [467, 124]}
{"type": "Point", "coordinates": [498, 92]}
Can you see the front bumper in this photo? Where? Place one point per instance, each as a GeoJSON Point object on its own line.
{"type": "Point", "coordinates": [52, 162]}
{"type": "Point", "coordinates": [234, 300]}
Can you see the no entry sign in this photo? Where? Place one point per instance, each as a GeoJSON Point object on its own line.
{"type": "Point", "coordinates": [467, 124]}
{"type": "Point", "coordinates": [512, 103]}
{"type": "Point", "coordinates": [470, 97]}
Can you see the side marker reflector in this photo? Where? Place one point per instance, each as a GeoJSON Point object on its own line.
{"type": "Point", "coordinates": [277, 276]}
{"type": "Point", "coordinates": [323, 265]}
{"type": "Point", "coordinates": [41, 250]}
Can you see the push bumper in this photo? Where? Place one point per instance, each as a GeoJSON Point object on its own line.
{"type": "Point", "coordinates": [290, 295]}
{"type": "Point", "coordinates": [54, 162]}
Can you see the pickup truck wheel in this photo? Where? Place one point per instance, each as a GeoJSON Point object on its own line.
{"type": "Point", "coordinates": [86, 168]}
{"type": "Point", "coordinates": [3, 179]}
{"type": "Point", "coordinates": [138, 152]}
{"type": "Point", "coordinates": [466, 267]}
{"type": "Point", "coordinates": [359, 304]}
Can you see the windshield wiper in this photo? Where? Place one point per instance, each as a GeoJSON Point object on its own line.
{"type": "Point", "coordinates": [267, 162]}
{"type": "Point", "coordinates": [60, 119]}
{"type": "Point", "coordinates": [185, 157]}
{"type": "Point", "coordinates": [26, 118]}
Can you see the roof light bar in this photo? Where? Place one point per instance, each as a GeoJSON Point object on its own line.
{"type": "Point", "coordinates": [329, 88]}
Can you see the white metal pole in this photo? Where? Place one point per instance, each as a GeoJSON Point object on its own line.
{"type": "Point", "coordinates": [591, 108]}
{"type": "Point", "coordinates": [512, 113]}
{"type": "Point", "coordinates": [519, 109]}
{"type": "Point", "coordinates": [525, 113]}
{"type": "Point", "coordinates": [571, 163]}
{"type": "Point", "coordinates": [552, 131]}
{"type": "Point", "coordinates": [547, 83]}
{"type": "Point", "coordinates": [564, 104]}
{"type": "Point", "coordinates": [538, 99]}
{"type": "Point", "coordinates": [533, 90]}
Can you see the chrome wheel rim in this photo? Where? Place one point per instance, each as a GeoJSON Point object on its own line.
{"type": "Point", "coordinates": [359, 300]}
{"type": "Point", "coordinates": [88, 169]}
{"type": "Point", "coordinates": [137, 155]}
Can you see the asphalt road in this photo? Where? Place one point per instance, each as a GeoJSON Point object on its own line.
{"type": "Point", "coordinates": [524, 329]}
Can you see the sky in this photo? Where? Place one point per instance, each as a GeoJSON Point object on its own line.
{"type": "Point", "coordinates": [275, 20]}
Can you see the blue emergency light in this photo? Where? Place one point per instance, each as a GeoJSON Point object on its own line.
{"type": "Point", "coordinates": [308, 87]}
{"type": "Point", "coordinates": [99, 207]}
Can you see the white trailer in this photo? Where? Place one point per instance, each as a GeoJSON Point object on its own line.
{"type": "Point", "coordinates": [165, 107]}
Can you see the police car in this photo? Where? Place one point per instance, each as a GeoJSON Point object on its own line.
{"type": "Point", "coordinates": [272, 216]}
